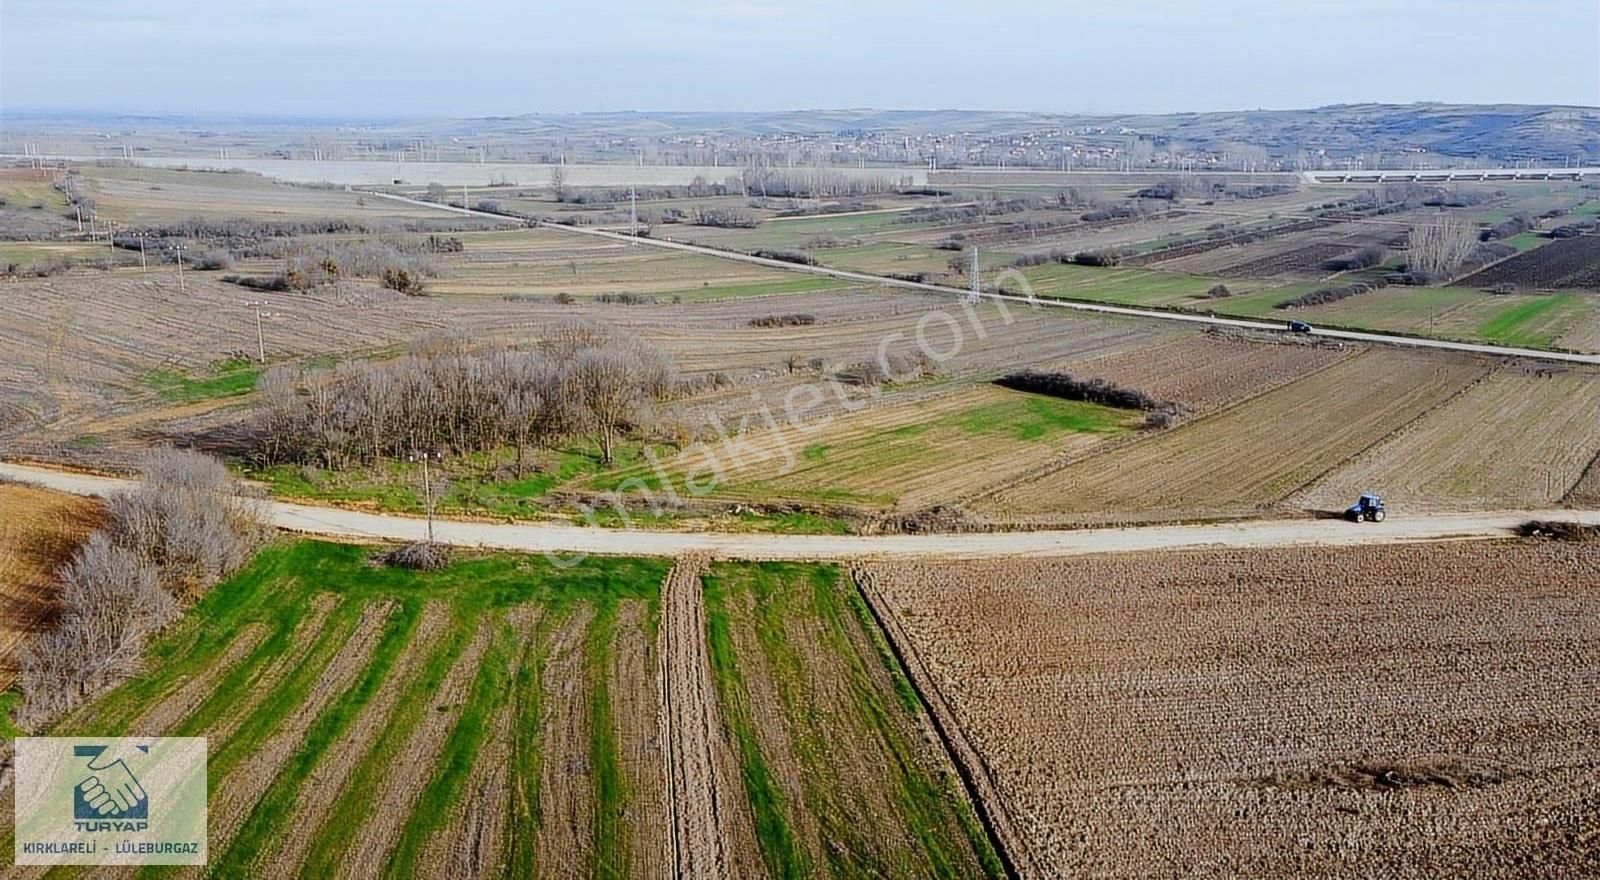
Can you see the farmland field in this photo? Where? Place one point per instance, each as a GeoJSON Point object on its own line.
{"type": "Point", "coordinates": [901, 454]}
{"type": "Point", "coordinates": [39, 530]}
{"type": "Point", "coordinates": [1563, 264]}
{"type": "Point", "coordinates": [502, 717]}
{"type": "Point", "coordinates": [133, 195]}
{"type": "Point", "coordinates": [1421, 710]}
{"type": "Point", "coordinates": [1512, 441]}
{"type": "Point", "coordinates": [1249, 457]}
{"type": "Point", "coordinates": [542, 261]}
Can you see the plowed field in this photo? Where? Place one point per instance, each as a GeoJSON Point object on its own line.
{"type": "Point", "coordinates": [1396, 711]}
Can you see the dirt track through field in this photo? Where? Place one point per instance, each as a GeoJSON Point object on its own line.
{"type": "Point", "coordinates": [710, 835]}
{"type": "Point", "coordinates": [473, 843]}
{"type": "Point", "coordinates": [1401, 527]}
{"type": "Point", "coordinates": [321, 789]}
{"type": "Point", "coordinates": [392, 806]}
{"type": "Point", "coordinates": [566, 783]}
{"type": "Point", "coordinates": [238, 793]}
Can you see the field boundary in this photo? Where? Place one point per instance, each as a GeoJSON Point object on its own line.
{"type": "Point", "coordinates": [1079, 305]}
{"type": "Point", "coordinates": [976, 779]}
{"type": "Point", "coordinates": [1112, 446]}
{"type": "Point", "coordinates": [1396, 433]}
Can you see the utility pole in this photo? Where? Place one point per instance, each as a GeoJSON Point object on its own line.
{"type": "Point", "coordinates": [464, 204]}
{"type": "Point", "coordinates": [261, 342]}
{"type": "Point", "coordinates": [633, 213]}
{"type": "Point", "coordinates": [976, 280]}
{"type": "Point", "coordinates": [180, 268]}
{"type": "Point", "coordinates": [144, 266]}
{"type": "Point", "coordinates": [427, 484]}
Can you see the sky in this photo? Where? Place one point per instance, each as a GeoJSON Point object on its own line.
{"type": "Point", "coordinates": [460, 58]}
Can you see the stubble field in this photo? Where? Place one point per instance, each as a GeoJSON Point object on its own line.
{"type": "Point", "coordinates": [1397, 711]}
{"type": "Point", "coordinates": [39, 531]}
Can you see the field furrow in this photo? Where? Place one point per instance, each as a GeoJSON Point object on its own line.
{"type": "Point", "coordinates": [1248, 457]}
{"type": "Point", "coordinates": [472, 843]}
{"type": "Point", "coordinates": [239, 791]}
{"type": "Point", "coordinates": [711, 835]}
{"type": "Point", "coordinates": [636, 708]}
{"type": "Point", "coordinates": [233, 710]}
{"type": "Point", "coordinates": [323, 787]}
{"type": "Point", "coordinates": [390, 807]}
{"type": "Point", "coordinates": [1410, 710]}
{"type": "Point", "coordinates": [192, 692]}
{"type": "Point", "coordinates": [566, 831]}
{"type": "Point", "coordinates": [1519, 439]}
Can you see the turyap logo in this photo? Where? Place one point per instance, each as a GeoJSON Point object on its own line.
{"type": "Point", "coordinates": [109, 797]}
{"type": "Point", "coordinates": [106, 800]}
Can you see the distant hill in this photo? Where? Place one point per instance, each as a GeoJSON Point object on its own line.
{"type": "Point", "coordinates": [1496, 133]}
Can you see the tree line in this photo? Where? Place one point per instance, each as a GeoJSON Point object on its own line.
{"type": "Point", "coordinates": [450, 394]}
{"type": "Point", "coordinates": [163, 545]}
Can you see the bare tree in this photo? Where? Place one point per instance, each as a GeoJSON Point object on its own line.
{"type": "Point", "coordinates": [603, 384]}
{"type": "Point", "coordinates": [1439, 246]}
{"type": "Point", "coordinates": [111, 601]}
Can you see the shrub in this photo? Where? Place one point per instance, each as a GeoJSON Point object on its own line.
{"type": "Point", "coordinates": [272, 283]}
{"type": "Point", "coordinates": [1331, 294]}
{"type": "Point", "coordinates": [402, 280]}
{"type": "Point", "coordinates": [1365, 258]}
{"type": "Point", "coordinates": [1069, 387]}
{"type": "Point", "coordinates": [787, 255]}
{"type": "Point", "coordinates": [214, 259]}
{"type": "Point", "coordinates": [418, 556]}
{"type": "Point", "coordinates": [793, 320]}
{"type": "Point", "coordinates": [1219, 291]}
{"type": "Point", "coordinates": [1098, 258]}
{"type": "Point", "coordinates": [180, 532]}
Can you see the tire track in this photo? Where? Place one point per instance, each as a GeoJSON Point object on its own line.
{"type": "Point", "coordinates": [710, 832]}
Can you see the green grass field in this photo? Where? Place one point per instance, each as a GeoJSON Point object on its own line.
{"type": "Point", "coordinates": [494, 659]}
{"type": "Point", "coordinates": [776, 632]}
{"type": "Point", "coordinates": [230, 378]}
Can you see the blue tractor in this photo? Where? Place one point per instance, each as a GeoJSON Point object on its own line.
{"type": "Point", "coordinates": [1369, 508]}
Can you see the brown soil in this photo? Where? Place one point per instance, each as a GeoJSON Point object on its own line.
{"type": "Point", "coordinates": [392, 806]}
{"type": "Point", "coordinates": [39, 531]}
{"type": "Point", "coordinates": [181, 702]}
{"type": "Point", "coordinates": [636, 706]}
{"type": "Point", "coordinates": [300, 641]}
{"type": "Point", "coordinates": [474, 843]}
{"type": "Point", "coordinates": [236, 795]}
{"type": "Point", "coordinates": [566, 783]}
{"type": "Point", "coordinates": [975, 770]}
{"type": "Point", "coordinates": [774, 734]}
{"type": "Point", "coordinates": [1397, 710]}
{"type": "Point", "coordinates": [711, 832]}
{"type": "Point", "coordinates": [321, 789]}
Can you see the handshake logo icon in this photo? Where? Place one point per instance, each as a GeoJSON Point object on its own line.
{"type": "Point", "coordinates": [109, 797]}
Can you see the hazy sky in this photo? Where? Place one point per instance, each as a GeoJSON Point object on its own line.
{"type": "Point", "coordinates": [499, 57]}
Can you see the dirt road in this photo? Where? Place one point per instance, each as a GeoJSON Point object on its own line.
{"type": "Point", "coordinates": [1124, 311]}
{"type": "Point", "coordinates": [564, 539]}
